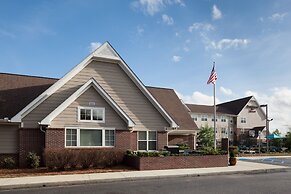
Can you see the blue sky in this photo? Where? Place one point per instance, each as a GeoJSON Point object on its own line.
{"type": "Point", "coordinates": [167, 43]}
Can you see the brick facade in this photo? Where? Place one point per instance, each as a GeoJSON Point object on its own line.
{"type": "Point", "coordinates": [176, 162]}
{"type": "Point", "coordinates": [55, 138]}
{"type": "Point", "coordinates": [162, 140]}
{"type": "Point", "coordinates": [30, 140]}
{"type": "Point", "coordinates": [182, 139]}
{"type": "Point", "coordinates": [125, 139]}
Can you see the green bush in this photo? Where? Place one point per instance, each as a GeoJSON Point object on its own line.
{"type": "Point", "coordinates": [8, 163]}
{"type": "Point", "coordinates": [232, 154]}
{"type": "Point", "coordinates": [211, 151]}
{"type": "Point", "coordinates": [233, 149]}
{"type": "Point", "coordinates": [33, 160]}
{"type": "Point", "coordinates": [183, 146]}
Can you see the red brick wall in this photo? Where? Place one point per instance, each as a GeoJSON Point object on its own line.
{"type": "Point", "coordinates": [176, 162]}
{"type": "Point", "coordinates": [30, 140]}
{"type": "Point", "coordinates": [182, 139]}
{"type": "Point", "coordinates": [55, 138]}
{"type": "Point", "coordinates": [162, 140]}
{"type": "Point", "coordinates": [125, 140]}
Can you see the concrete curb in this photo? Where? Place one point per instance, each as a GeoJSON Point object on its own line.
{"type": "Point", "coordinates": [109, 180]}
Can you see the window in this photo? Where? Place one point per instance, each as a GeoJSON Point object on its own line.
{"type": "Point", "coordinates": [213, 119]}
{"type": "Point", "coordinates": [92, 114]}
{"type": "Point", "coordinates": [204, 118]}
{"type": "Point", "coordinates": [223, 119]}
{"type": "Point", "coordinates": [243, 120]}
{"type": "Point", "coordinates": [90, 137]}
{"type": "Point", "coordinates": [71, 137]}
{"type": "Point", "coordinates": [109, 138]}
{"type": "Point", "coordinates": [147, 140]}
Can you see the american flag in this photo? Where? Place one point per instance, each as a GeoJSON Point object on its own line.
{"type": "Point", "coordinates": [213, 76]}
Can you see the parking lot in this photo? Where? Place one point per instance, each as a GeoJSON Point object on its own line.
{"type": "Point", "coordinates": [282, 161]}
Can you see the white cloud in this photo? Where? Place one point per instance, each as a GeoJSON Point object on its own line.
{"type": "Point", "coordinates": [6, 33]}
{"type": "Point", "coordinates": [197, 98]}
{"type": "Point", "coordinates": [225, 91]}
{"type": "Point", "coordinates": [227, 43]}
{"type": "Point", "coordinates": [186, 49]}
{"type": "Point", "coordinates": [140, 30]}
{"type": "Point", "coordinates": [152, 7]}
{"type": "Point", "coordinates": [176, 58]}
{"type": "Point", "coordinates": [216, 13]}
{"type": "Point", "coordinates": [278, 17]}
{"type": "Point", "coordinates": [180, 2]}
{"type": "Point", "coordinates": [279, 103]}
{"type": "Point", "coordinates": [94, 45]}
{"type": "Point", "coordinates": [201, 26]}
{"type": "Point", "coordinates": [167, 19]}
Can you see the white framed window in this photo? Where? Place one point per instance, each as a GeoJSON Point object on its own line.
{"type": "Point", "coordinates": [88, 137]}
{"type": "Point", "coordinates": [147, 140]}
{"type": "Point", "coordinates": [243, 120]}
{"type": "Point", "coordinates": [195, 117]}
{"type": "Point", "coordinates": [223, 119]}
{"type": "Point", "coordinates": [91, 114]}
{"type": "Point", "coordinates": [204, 118]}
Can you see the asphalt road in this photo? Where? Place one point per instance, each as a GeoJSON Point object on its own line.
{"type": "Point", "coordinates": [239, 184]}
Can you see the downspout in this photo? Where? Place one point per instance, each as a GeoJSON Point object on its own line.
{"type": "Point", "coordinates": [41, 127]}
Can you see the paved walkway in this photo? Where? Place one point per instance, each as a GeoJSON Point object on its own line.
{"type": "Point", "coordinates": [61, 180]}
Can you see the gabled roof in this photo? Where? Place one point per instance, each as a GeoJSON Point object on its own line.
{"type": "Point", "coordinates": [17, 91]}
{"type": "Point", "coordinates": [236, 106]}
{"type": "Point", "coordinates": [232, 107]}
{"type": "Point", "coordinates": [174, 107]}
{"type": "Point", "coordinates": [104, 53]}
{"type": "Point", "coordinates": [207, 109]}
{"type": "Point", "coordinates": [90, 83]}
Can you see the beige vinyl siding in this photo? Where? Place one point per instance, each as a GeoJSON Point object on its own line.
{"type": "Point", "coordinates": [117, 84]}
{"type": "Point", "coordinates": [9, 139]}
{"type": "Point", "coordinates": [69, 117]}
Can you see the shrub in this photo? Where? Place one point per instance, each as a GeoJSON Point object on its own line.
{"type": "Point", "coordinates": [71, 158]}
{"type": "Point", "coordinates": [233, 149]}
{"type": "Point", "coordinates": [212, 151]}
{"type": "Point", "coordinates": [33, 160]}
{"type": "Point", "coordinates": [183, 146]}
{"type": "Point", "coordinates": [8, 163]}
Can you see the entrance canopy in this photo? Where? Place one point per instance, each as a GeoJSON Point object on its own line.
{"type": "Point", "coordinates": [274, 136]}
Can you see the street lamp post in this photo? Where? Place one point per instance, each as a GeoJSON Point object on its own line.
{"type": "Point", "coordinates": [267, 125]}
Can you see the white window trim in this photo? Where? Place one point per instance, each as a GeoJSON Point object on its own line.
{"type": "Point", "coordinates": [243, 120]}
{"type": "Point", "coordinates": [147, 140]}
{"type": "Point", "coordinates": [204, 118]}
{"type": "Point", "coordinates": [91, 108]}
{"type": "Point", "coordinates": [78, 137]}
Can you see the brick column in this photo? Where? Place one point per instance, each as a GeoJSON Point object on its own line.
{"type": "Point", "coordinates": [30, 140]}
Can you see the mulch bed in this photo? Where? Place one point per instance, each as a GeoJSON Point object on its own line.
{"type": "Point", "coordinates": [42, 171]}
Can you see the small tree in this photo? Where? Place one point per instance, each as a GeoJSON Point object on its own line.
{"type": "Point", "coordinates": [277, 142]}
{"type": "Point", "coordinates": [206, 136]}
{"type": "Point", "coordinates": [288, 140]}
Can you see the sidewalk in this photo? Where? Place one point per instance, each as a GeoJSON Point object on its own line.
{"type": "Point", "coordinates": [62, 180]}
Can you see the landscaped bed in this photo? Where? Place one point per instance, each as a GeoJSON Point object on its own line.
{"type": "Point", "coordinates": [43, 171]}
{"type": "Point", "coordinates": [160, 161]}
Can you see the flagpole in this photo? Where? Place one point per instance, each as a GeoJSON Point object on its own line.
{"type": "Point", "coordinates": [214, 105]}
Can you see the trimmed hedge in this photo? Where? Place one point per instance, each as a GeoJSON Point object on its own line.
{"type": "Point", "coordinates": [61, 159]}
